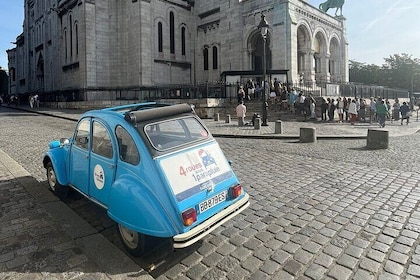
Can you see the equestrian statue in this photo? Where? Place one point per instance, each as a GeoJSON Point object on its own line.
{"type": "Point", "coordinates": [329, 4]}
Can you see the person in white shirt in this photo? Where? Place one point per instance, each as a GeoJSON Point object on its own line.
{"type": "Point", "coordinates": [241, 113]}
{"type": "Point", "coordinates": [353, 111]}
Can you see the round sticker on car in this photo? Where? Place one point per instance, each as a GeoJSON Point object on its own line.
{"type": "Point", "coordinates": [99, 176]}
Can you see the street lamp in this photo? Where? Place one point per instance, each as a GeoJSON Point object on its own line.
{"type": "Point", "coordinates": [263, 26]}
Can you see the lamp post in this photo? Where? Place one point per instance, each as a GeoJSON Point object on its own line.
{"type": "Point", "coordinates": [263, 26]}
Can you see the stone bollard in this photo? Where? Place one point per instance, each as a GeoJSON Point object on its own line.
{"type": "Point", "coordinates": [278, 128]}
{"type": "Point", "coordinates": [377, 139]}
{"type": "Point", "coordinates": [307, 135]}
{"type": "Point", "coordinates": [217, 117]}
{"type": "Point", "coordinates": [227, 119]}
{"type": "Point", "coordinates": [257, 123]}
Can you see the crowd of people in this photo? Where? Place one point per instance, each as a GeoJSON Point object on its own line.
{"type": "Point", "coordinates": [355, 109]}
{"type": "Point", "coordinates": [340, 109]}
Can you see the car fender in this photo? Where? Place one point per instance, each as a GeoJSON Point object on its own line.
{"type": "Point", "coordinates": [134, 206]}
{"type": "Point", "coordinates": [58, 158]}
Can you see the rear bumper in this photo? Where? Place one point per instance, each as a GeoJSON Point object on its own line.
{"type": "Point", "coordinates": [188, 238]}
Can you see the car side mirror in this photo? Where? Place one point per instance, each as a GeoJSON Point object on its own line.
{"type": "Point", "coordinates": [64, 141]}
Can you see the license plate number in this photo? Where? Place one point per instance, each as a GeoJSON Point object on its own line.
{"type": "Point", "coordinates": [212, 201]}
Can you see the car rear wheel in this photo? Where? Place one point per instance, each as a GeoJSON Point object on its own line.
{"type": "Point", "coordinates": [133, 242]}
{"type": "Point", "coordinates": [58, 189]}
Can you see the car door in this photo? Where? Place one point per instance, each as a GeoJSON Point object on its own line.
{"type": "Point", "coordinates": [102, 163]}
{"type": "Point", "coordinates": [79, 157]}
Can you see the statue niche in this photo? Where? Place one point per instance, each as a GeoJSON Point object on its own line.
{"type": "Point", "coordinates": [330, 4]}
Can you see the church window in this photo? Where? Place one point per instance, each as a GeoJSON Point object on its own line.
{"type": "Point", "coordinates": [160, 37]}
{"type": "Point", "coordinates": [206, 58]}
{"type": "Point", "coordinates": [172, 32]}
{"type": "Point", "coordinates": [183, 40]}
{"type": "Point", "coordinates": [215, 58]}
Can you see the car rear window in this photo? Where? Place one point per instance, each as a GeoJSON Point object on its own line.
{"type": "Point", "coordinates": [168, 134]}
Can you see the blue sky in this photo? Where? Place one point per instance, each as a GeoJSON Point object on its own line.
{"type": "Point", "coordinates": [375, 28]}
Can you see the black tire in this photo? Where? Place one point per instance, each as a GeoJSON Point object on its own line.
{"type": "Point", "coordinates": [134, 242]}
{"type": "Point", "coordinates": [58, 189]}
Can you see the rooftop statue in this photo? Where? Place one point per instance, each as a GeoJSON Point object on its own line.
{"type": "Point", "coordinates": [329, 4]}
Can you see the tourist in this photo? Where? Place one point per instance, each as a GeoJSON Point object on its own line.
{"type": "Point", "coordinates": [241, 113]}
{"type": "Point", "coordinates": [362, 111]}
{"type": "Point", "coordinates": [352, 111]}
{"type": "Point", "coordinates": [331, 110]}
{"type": "Point", "coordinates": [372, 111]}
{"type": "Point", "coordinates": [324, 108]}
{"type": "Point", "coordinates": [381, 112]}
{"type": "Point", "coordinates": [405, 112]}
{"type": "Point", "coordinates": [241, 94]}
{"type": "Point", "coordinates": [396, 110]}
{"type": "Point", "coordinates": [340, 109]}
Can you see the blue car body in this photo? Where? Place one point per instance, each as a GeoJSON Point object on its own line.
{"type": "Point", "coordinates": [156, 169]}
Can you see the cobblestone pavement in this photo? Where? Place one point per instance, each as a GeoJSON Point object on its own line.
{"type": "Point", "coordinates": [325, 210]}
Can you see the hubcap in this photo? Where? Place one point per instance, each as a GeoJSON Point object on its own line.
{"type": "Point", "coordinates": [52, 180]}
{"type": "Point", "coordinates": [131, 238]}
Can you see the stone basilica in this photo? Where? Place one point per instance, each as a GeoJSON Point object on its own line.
{"type": "Point", "coordinates": [108, 49]}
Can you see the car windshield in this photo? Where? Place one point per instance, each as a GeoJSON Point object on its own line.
{"type": "Point", "coordinates": [165, 135]}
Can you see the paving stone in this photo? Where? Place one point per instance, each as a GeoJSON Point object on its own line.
{"type": "Point", "coordinates": [394, 268]}
{"type": "Point", "coordinates": [347, 261]}
{"type": "Point", "coordinates": [214, 258]}
{"type": "Point", "coordinates": [229, 263]}
{"type": "Point", "coordinates": [370, 265]}
{"type": "Point", "coordinates": [388, 276]}
{"type": "Point", "coordinates": [414, 270]}
{"type": "Point", "coordinates": [253, 244]}
{"type": "Point", "coordinates": [251, 264]}
{"type": "Point", "coordinates": [263, 253]}
{"type": "Point", "coordinates": [303, 256]}
{"type": "Point", "coordinates": [238, 273]}
{"type": "Point", "coordinates": [398, 257]}
{"type": "Point", "coordinates": [316, 272]}
{"type": "Point", "coordinates": [281, 256]}
{"type": "Point", "coordinates": [196, 271]}
{"type": "Point", "coordinates": [354, 251]}
{"type": "Point", "coordinates": [340, 272]}
{"type": "Point", "coordinates": [270, 267]}
{"type": "Point", "coordinates": [363, 275]}
{"type": "Point", "coordinates": [213, 273]}
{"type": "Point", "coordinates": [293, 267]}
{"type": "Point", "coordinates": [380, 247]}
{"type": "Point", "coordinates": [291, 247]}
{"type": "Point", "coordinates": [385, 239]}
{"type": "Point", "coordinates": [283, 275]}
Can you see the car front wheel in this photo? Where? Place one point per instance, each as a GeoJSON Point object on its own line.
{"type": "Point", "coordinates": [133, 242]}
{"type": "Point", "coordinates": [58, 189]}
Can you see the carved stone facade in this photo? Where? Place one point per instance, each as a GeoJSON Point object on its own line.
{"type": "Point", "coordinates": [95, 48]}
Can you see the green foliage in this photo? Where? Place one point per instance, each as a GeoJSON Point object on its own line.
{"type": "Point", "coordinates": [398, 71]}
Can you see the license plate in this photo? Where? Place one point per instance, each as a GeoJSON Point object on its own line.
{"type": "Point", "coordinates": [212, 201]}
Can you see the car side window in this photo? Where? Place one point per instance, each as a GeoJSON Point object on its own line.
{"type": "Point", "coordinates": [127, 147]}
{"type": "Point", "coordinates": [81, 138]}
{"type": "Point", "coordinates": [101, 141]}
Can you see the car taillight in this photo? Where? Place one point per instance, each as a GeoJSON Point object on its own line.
{"type": "Point", "coordinates": [189, 217]}
{"type": "Point", "coordinates": [235, 191]}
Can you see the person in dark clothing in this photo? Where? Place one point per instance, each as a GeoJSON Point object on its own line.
{"type": "Point", "coordinates": [331, 110]}
{"type": "Point", "coordinates": [405, 112]}
{"type": "Point", "coordinates": [324, 109]}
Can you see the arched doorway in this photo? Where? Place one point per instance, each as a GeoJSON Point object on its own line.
{"type": "Point", "coordinates": [256, 45]}
{"type": "Point", "coordinates": [334, 60]}
{"type": "Point", "coordinates": [320, 58]}
{"type": "Point", "coordinates": [304, 69]}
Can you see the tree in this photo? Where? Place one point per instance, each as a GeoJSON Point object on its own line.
{"type": "Point", "coordinates": [398, 71]}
